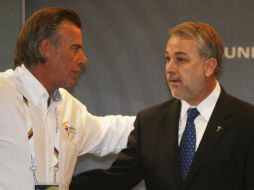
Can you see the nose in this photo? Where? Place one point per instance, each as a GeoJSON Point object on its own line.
{"type": "Point", "coordinates": [83, 58]}
{"type": "Point", "coordinates": [170, 66]}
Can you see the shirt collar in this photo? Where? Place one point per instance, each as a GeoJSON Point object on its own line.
{"type": "Point", "coordinates": [34, 89]}
{"type": "Point", "coordinates": [206, 107]}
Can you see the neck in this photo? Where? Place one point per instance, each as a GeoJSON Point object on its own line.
{"type": "Point", "coordinates": [41, 74]}
{"type": "Point", "coordinates": [204, 93]}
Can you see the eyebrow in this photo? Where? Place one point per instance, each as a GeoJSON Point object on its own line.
{"type": "Point", "coordinates": [177, 53]}
{"type": "Point", "coordinates": [76, 46]}
{"type": "Point", "coordinates": [180, 53]}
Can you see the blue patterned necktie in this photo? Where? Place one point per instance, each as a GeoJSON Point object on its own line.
{"type": "Point", "coordinates": [188, 144]}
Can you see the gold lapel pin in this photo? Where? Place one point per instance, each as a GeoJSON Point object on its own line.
{"type": "Point", "coordinates": [219, 128]}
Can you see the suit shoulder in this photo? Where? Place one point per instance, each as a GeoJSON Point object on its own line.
{"type": "Point", "coordinates": [159, 108]}
{"type": "Point", "coordinates": [241, 104]}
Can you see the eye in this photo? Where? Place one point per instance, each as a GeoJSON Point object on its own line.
{"type": "Point", "coordinates": [75, 47]}
{"type": "Point", "coordinates": [167, 59]}
{"type": "Point", "coordinates": [180, 59]}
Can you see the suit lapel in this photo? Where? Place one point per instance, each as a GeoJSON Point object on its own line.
{"type": "Point", "coordinates": [169, 132]}
{"type": "Point", "coordinates": [216, 127]}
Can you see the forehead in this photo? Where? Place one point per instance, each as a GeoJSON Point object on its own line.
{"type": "Point", "coordinates": [68, 29]}
{"type": "Point", "coordinates": [177, 44]}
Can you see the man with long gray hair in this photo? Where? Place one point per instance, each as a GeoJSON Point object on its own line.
{"type": "Point", "coordinates": [44, 128]}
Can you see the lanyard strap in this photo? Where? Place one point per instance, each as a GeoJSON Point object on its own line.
{"type": "Point", "coordinates": [56, 148]}
{"type": "Point", "coordinates": [30, 139]}
{"type": "Point", "coordinates": [55, 162]}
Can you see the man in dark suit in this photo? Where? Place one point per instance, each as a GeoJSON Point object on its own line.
{"type": "Point", "coordinates": [201, 139]}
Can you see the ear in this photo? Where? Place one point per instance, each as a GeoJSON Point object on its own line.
{"type": "Point", "coordinates": [210, 66]}
{"type": "Point", "coordinates": [46, 48]}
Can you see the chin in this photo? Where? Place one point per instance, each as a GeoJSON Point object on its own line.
{"type": "Point", "coordinates": [69, 85]}
{"type": "Point", "coordinates": [175, 95]}
{"type": "Point", "coordinates": [178, 95]}
{"type": "Point", "coordinates": [72, 82]}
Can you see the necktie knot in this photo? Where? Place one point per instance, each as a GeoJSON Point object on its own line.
{"type": "Point", "coordinates": [192, 114]}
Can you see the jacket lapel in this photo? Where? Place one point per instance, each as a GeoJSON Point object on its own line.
{"type": "Point", "coordinates": [216, 127]}
{"type": "Point", "coordinates": [169, 132]}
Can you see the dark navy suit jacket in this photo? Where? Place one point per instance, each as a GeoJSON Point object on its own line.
{"type": "Point", "coordinates": [224, 159]}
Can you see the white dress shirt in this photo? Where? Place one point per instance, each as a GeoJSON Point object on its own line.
{"type": "Point", "coordinates": [205, 109]}
{"type": "Point", "coordinates": [80, 132]}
